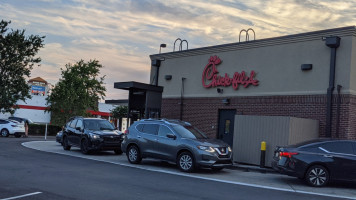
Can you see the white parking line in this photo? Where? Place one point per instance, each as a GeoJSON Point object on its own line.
{"type": "Point", "coordinates": [21, 196]}
{"type": "Point", "coordinates": [194, 176]}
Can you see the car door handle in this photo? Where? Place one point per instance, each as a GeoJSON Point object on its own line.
{"type": "Point", "coordinates": [328, 156]}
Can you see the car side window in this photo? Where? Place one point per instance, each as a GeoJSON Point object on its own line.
{"type": "Point", "coordinates": [338, 147]}
{"type": "Point", "coordinates": [2, 121]}
{"type": "Point", "coordinates": [150, 129]}
{"type": "Point", "coordinates": [72, 124]}
{"type": "Point", "coordinates": [139, 127]}
{"type": "Point", "coordinates": [164, 131]}
{"type": "Point", "coordinates": [79, 124]}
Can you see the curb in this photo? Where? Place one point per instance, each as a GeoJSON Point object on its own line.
{"type": "Point", "coordinates": [251, 168]}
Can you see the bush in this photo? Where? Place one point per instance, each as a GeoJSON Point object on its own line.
{"type": "Point", "coordinates": [40, 129]}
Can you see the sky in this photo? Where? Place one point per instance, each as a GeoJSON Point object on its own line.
{"type": "Point", "coordinates": [122, 34]}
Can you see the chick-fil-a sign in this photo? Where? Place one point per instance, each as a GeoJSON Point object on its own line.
{"type": "Point", "coordinates": [211, 77]}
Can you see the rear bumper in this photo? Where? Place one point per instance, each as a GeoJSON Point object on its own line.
{"type": "Point", "coordinates": [285, 170]}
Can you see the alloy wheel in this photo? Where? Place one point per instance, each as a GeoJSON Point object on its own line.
{"type": "Point", "coordinates": [5, 133]}
{"type": "Point", "coordinates": [133, 155]}
{"type": "Point", "coordinates": [186, 162]}
{"type": "Point", "coordinates": [317, 176]}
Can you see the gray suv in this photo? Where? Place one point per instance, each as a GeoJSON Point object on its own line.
{"type": "Point", "coordinates": [175, 141]}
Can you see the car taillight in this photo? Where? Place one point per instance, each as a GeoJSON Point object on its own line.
{"type": "Point", "coordinates": [287, 154]}
{"type": "Point", "coordinates": [126, 132]}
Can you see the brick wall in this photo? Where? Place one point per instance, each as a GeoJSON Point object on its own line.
{"type": "Point", "coordinates": [203, 112]}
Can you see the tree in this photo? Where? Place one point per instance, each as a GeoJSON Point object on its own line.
{"type": "Point", "coordinates": [17, 58]}
{"type": "Point", "coordinates": [79, 89]}
{"type": "Point", "coordinates": [119, 112]}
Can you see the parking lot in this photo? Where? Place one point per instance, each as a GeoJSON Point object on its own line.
{"type": "Point", "coordinates": [272, 181]}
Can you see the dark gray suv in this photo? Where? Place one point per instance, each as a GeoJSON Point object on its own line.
{"type": "Point", "coordinates": [175, 141]}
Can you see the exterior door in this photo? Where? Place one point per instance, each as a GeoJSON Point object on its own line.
{"type": "Point", "coordinates": [226, 126]}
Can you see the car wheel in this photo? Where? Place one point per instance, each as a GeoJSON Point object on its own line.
{"type": "Point", "coordinates": [317, 176]}
{"type": "Point", "coordinates": [118, 152]}
{"type": "Point", "coordinates": [185, 162]}
{"type": "Point", "coordinates": [133, 155]}
{"type": "Point", "coordinates": [84, 146]}
{"type": "Point", "coordinates": [5, 132]}
{"type": "Point", "coordinates": [66, 146]}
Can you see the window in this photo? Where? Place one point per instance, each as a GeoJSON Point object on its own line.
{"type": "Point", "coordinates": [227, 127]}
{"type": "Point", "coordinates": [72, 124]}
{"type": "Point", "coordinates": [139, 127]}
{"type": "Point", "coordinates": [164, 131]}
{"type": "Point", "coordinates": [79, 124]}
{"type": "Point", "coordinates": [189, 132]}
{"type": "Point", "coordinates": [338, 147]}
{"type": "Point", "coordinates": [150, 129]}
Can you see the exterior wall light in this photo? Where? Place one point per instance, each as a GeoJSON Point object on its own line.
{"type": "Point", "coordinates": [219, 90]}
{"type": "Point", "coordinates": [162, 46]}
{"type": "Point", "coordinates": [168, 77]}
{"type": "Point", "coordinates": [226, 101]}
{"type": "Point", "coordinates": [306, 67]}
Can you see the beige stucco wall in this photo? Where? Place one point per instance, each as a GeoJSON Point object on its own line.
{"type": "Point", "coordinates": [276, 62]}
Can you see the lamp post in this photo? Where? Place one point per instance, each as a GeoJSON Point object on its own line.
{"type": "Point", "coordinates": [162, 46]}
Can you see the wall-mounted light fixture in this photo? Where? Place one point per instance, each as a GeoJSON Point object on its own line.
{"type": "Point", "coordinates": [226, 101]}
{"type": "Point", "coordinates": [168, 77]}
{"type": "Point", "coordinates": [162, 46]}
{"type": "Point", "coordinates": [219, 90]}
{"type": "Point", "coordinates": [306, 67]}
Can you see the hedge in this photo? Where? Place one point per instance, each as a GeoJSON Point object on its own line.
{"type": "Point", "coordinates": [40, 129]}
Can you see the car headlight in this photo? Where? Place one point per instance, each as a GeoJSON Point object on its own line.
{"type": "Point", "coordinates": [205, 148]}
{"type": "Point", "coordinates": [95, 136]}
{"type": "Point", "coordinates": [229, 149]}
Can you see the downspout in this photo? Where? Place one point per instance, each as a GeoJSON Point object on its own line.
{"type": "Point", "coordinates": [333, 42]}
{"type": "Point", "coordinates": [181, 99]}
{"type": "Point", "coordinates": [338, 88]}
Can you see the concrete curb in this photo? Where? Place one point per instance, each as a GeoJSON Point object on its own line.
{"type": "Point", "coordinates": [252, 168]}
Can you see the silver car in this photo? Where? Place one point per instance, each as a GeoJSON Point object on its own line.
{"type": "Point", "coordinates": [175, 141]}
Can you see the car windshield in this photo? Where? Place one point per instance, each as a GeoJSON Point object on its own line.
{"type": "Point", "coordinates": [189, 132]}
{"type": "Point", "coordinates": [97, 125]}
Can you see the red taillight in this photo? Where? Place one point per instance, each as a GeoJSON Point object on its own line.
{"type": "Point", "coordinates": [287, 154]}
{"type": "Point", "coordinates": [126, 131]}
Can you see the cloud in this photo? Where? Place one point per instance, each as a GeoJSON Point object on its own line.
{"type": "Point", "coordinates": [121, 34]}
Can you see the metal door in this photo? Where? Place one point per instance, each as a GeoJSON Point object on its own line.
{"type": "Point", "coordinates": [226, 126]}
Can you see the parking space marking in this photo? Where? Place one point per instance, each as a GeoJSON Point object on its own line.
{"type": "Point", "coordinates": [192, 176]}
{"type": "Point", "coordinates": [21, 196]}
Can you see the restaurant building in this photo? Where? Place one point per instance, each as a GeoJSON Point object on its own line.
{"type": "Point", "coordinates": [307, 76]}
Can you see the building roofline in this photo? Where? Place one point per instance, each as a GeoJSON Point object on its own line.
{"type": "Point", "coordinates": [300, 37]}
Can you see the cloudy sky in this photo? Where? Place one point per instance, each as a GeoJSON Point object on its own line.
{"type": "Point", "coordinates": [121, 34]}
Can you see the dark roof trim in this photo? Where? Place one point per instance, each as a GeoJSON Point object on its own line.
{"type": "Point", "coordinates": [301, 37]}
{"type": "Point", "coordinates": [138, 86]}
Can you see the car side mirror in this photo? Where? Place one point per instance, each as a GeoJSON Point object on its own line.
{"type": "Point", "coordinates": [172, 136]}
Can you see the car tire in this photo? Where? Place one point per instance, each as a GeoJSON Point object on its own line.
{"type": "Point", "coordinates": [84, 146]}
{"type": "Point", "coordinates": [317, 176]}
{"type": "Point", "coordinates": [66, 146]}
{"type": "Point", "coordinates": [118, 152]}
{"type": "Point", "coordinates": [133, 154]}
{"type": "Point", "coordinates": [185, 162]}
{"type": "Point", "coordinates": [5, 132]}
{"type": "Point", "coordinates": [17, 135]}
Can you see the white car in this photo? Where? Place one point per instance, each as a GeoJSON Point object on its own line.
{"type": "Point", "coordinates": [11, 127]}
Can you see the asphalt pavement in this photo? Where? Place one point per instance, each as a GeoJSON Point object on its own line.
{"type": "Point", "coordinates": [43, 170]}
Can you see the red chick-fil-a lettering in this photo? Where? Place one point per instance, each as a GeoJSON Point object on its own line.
{"type": "Point", "coordinates": [211, 77]}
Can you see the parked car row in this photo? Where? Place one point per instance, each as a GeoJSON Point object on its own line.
{"type": "Point", "coordinates": [317, 161]}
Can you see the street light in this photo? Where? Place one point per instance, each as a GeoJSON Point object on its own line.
{"type": "Point", "coordinates": [162, 46]}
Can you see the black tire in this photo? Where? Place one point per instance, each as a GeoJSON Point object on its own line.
{"type": "Point", "coordinates": [84, 146]}
{"type": "Point", "coordinates": [133, 154]}
{"type": "Point", "coordinates": [118, 152]}
{"type": "Point", "coordinates": [185, 162]}
{"type": "Point", "coordinates": [66, 146]}
{"type": "Point", "coordinates": [17, 135]}
{"type": "Point", "coordinates": [5, 132]}
{"type": "Point", "coordinates": [317, 176]}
